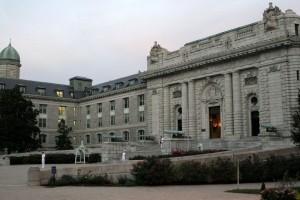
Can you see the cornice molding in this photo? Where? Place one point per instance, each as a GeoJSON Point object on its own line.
{"type": "Point", "coordinates": [223, 56]}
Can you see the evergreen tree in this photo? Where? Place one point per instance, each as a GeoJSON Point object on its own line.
{"type": "Point", "coordinates": [18, 122]}
{"type": "Point", "coordinates": [63, 140]}
{"type": "Point", "coordinates": [296, 123]}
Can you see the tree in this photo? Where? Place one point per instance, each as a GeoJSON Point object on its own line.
{"type": "Point", "coordinates": [63, 140]}
{"type": "Point", "coordinates": [296, 123]}
{"type": "Point", "coordinates": [18, 122]}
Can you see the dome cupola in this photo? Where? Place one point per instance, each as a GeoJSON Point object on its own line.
{"type": "Point", "coordinates": [9, 53]}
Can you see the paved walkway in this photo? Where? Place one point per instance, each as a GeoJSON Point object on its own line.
{"type": "Point", "coordinates": [13, 187]}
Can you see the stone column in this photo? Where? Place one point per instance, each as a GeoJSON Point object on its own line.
{"type": "Point", "coordinates": [192, 110]}
{"type": "Point", "coordinates": [237, 105]}
{"type": "Point", "coordinates": [167, 108]}
{"type": "Point", "coordinates": [228, 105]}
{"type": "Point", "coordinates": [184, 107]}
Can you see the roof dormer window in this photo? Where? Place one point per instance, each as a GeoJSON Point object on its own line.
{"type": "Point", "coordinates": [2, 86]}
{"type": "Point", "coordinates": [119, 85]}
{"type": "Point", "coordinates": [132, 82]}
{"type": "Point", "coordinates": [72, 94]}
{"type": "Point", "coordinates": [22, 89]}
{"type": "Point", "coordinates": [59, 93]}
{"type": "Point", "coordinates": [106, 88]}
{"type": "Point", "coordinates": [94, 91]}
{"type": "Point", "coordinates": [41, 91]}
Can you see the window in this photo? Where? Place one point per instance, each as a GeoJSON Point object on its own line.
{"type": "Point", "coordinates": [119, 85]}
{"type": "Point", "coordinates": [132, 81]}
{"type": "Point", "coordinates": [74, 123]}
{"type": "Point", "coordinates": [43, 108]}
{"type": "Point", "coordinates": [125, 136]}
{"type": "Point", "coordinates": [142, 116]}
{"type": "Point", "coordinates": [99, 138]}
{"type": "Point", "coordinates": [100, 122]}
{"type": "Point", "coordinates": [43, 138]}
{"type": "Point", "coordinates": [88, 123]}
{"type": "Point", "coordinates": [94, 91]}
{"type": "Point", "coordinates": [88, 110]}
{"type": "Point", "coordinates": [112, 105]}
{"type": "Point", "coordinates": [88, 139]}
{"type": "Point", "coordinates": [100, 107]}
{"type": "Point", "coordinates": [72, 94]}
{"type": "Point", "coordinates": [141, 100]}
{"type": "Point", "coordinates": [126, 102]}
{"type": "Point", "coordinates": [2, 86]}
{"type": "Point", "coordinates": [41, 91]}
{"type": "Point", "coordinates": [126, 117]}
{"type": "Point", "coordinates": [62, 110]}
{"type": "Point", "coordinates": [141, 135]}
{"type": "Point", "coordinates": [297, 29]}
{"type": "Point", "coordinates": [59, 93]}
{"type": "Point", "coordinates": [42, 122]}
{"type": "Point", "coordinates": [75, 111]}
{"type": "Point", "coordinates": [112, 120]}
{"type": "Point", "coordinates": [105, 88]}
{"type": "Point", "coordinates": [298, 78]}
{"type": "Point", "coordinates": [22, 89]}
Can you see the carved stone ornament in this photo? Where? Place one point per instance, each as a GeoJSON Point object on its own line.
{"type": "Point", "coordinates": [270, 17]}
{"type": "Point", "coordinates": [176, 93]}
{"type": "Point", "coordinates": [274, 68]}
{"type": "Point", "coordinates": [155, 50]}
{"type": "Point", "coordinates": [251, 80]}
{"type": "Point", "coordinates": [228, 43]}
{"type": "Point", "coordinates": [154, 92]}
{"type": "Point", "coordinates": [185, 55]}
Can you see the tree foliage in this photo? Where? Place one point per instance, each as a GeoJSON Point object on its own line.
{"type": "Point", "coordinates": [296, 123]}
{"type": "Point", "coordinates": [63, 141]}
{"type": "Point", "coordinates": [18, 122]}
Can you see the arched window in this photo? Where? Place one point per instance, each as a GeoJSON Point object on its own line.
{"type": "Point", "coordinates": [99, 138]}
{"type": "Point", "coordinates": [141, 135]}
{"type": "Point", "coordinates": [125, 136]}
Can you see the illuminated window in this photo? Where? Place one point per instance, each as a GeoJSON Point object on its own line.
{"type": "Point", "coordinates": [62, 110]}
{"type": "Point", "coordinates": [74, 123]}
{"type": "Point", "coordinates": [59, 93]}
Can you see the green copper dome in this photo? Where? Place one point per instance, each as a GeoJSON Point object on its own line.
{"type": "Point", "coordinates": [9, 53]}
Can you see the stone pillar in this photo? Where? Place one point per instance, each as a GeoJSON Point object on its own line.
{"type": "Point", "coordinates": [184, 107]}
{"type": "Point", "coordinates": [228, 105]}
{"type": "Point", "coordinates": [167, 108]}
{"type": "Point", "coordinates": [192, 110]}
{"type": "Point", "coordinates": [237, 105]}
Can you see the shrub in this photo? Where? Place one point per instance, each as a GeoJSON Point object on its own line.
{"type": "Point", "coordinates": [91, 179]}
{"type": "Point", "coordinates": [191, 172]}
{"type": "Point", "coordinates": [153, 171]}
{"type": "Point", "coordinates": [274, 168]}
{"type": "Point", "coordinates": [251, 170]}
{"type": "Point", "coordinates": [222, 171]}
{"type": "Point", "coordinates": [278, 194]}
{"type": "Point", "coordinates": [94, 158]}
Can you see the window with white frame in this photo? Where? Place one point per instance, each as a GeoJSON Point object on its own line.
{"type": "Point", "coordinates": [43, 108]}
{"type": "Point", "coordinates": [141, 100]}
{"type": "Point", "coordinates": [142, 116]}
{"type": "Point", "coordinates": [112, 120]}
{"type": "Point", "coordinates": [100, 122]}
{"type": "Point", "coordinates": [41, 91]}
{"type": "Point", "coordinates": [126, 118]}
{"type": "Point", "coordinates": [141, 135]}
{"type": "Point", "coordinates": [42, 122]}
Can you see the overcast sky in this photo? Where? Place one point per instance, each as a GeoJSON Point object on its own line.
{"type": "Point", "coordinates": [109, 39]}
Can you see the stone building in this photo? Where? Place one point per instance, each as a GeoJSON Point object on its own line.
{"type": "Point", "coordinates": [237, 84]}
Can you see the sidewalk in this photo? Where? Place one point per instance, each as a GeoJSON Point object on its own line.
{"type": "Point", "coordinates": [13, 187]}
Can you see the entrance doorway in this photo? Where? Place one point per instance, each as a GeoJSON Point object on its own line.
{"type": "Point", "coordinates": [214, 122]}
{"type": "Point", "coordinates": [255, 123]}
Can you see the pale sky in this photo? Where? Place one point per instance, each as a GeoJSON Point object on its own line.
{"type": "Point", "coordinates": [109, 39]}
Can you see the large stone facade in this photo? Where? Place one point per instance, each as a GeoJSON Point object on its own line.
{"type": "Point", "coordinates": [231, 85]}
